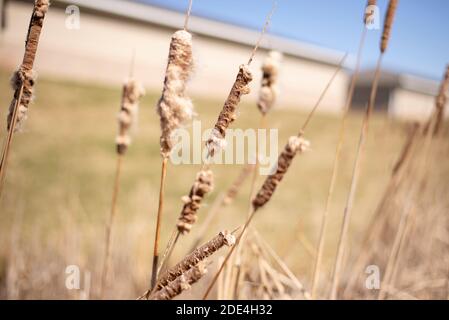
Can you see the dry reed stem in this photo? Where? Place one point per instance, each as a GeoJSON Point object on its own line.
{"type": "Point", "coordinates": [354, 183]}
{"type": "Point", "coordinates": [107, 263]}
{"type": "Point", "coordinates": [131, 93]}
{"type": "Point", "coordinates": [174, 106]}
{"type": "Point", "coordinates": [203, 184]}
{"type": "Point", "coordinates": [388, 24]}
{"type": "Point", "coordinates": [189, 11]}
{"type": "Point", "coordinates": [23, 81]}
{"type": "Point", "coordinates": [360, 151]}
{"type": "Point", "coordinates": [441, 101]}
{"type": "Point", "coordinates": [269, 86]}
{"type": "Point", "coordinates": [25, 76]}
{"type": "Point", "coordinates": [399, 171]}
{"type": "Point", "coordinates": [174, 109]}
{"type": "Point", "coordinates": [228, 114]}
{"type": "Point", "coordinates": [181, 283]}
{"type": "Point", "coordinates": [392, 258]}
{"type": "Point", "coordinates": [154, 270]}
{"type": "Point", "coordinates": [224, 238]}
{"type": "Point", "coordinates": [342, 130]}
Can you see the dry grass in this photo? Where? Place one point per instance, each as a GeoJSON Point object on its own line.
{"type": "Point", "coordinates": [57, 180]}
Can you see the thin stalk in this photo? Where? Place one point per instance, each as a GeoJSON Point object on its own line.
{"type": "Point", "coordinates": [353, 188]}
{"type": "Point", "coordinates": [324, 221]}
{"type": "Point", "coordinates": [109, 227]}
{"type": "Point", "coordinates": [189, 11]}
{"type": "Point", "coordinates": [158, 222]}
{"type": "Point", "coordinates": [7, 145]}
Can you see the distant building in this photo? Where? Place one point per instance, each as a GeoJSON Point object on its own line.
{"type": "Point", "coordinates": [101, 50]}
{"type": "Point", "coordinates": [400, 95]}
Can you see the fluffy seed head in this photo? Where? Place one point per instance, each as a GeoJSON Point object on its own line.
{"type": "Point", "coordinates": [132, 92]}
{"type": "Point", "coordinates": [174, 107]}
{"type": "Point", "coordinates": [269, 86]}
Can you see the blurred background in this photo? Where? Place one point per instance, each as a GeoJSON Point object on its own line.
{"type": "Point", "coordinates": [57, 194]}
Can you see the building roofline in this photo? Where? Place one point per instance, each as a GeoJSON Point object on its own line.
{"type": "Point", "coordinates": [203, 26]}
{"type": "Point", "coordinates": [402, 80]}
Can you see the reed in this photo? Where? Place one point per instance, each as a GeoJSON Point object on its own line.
{"type": "Point", "coordinates": [296, 144]}
{"type": "Point", "coordinates": [181, 283]}
{"type": "Point", "coordinates": [228, 114]}
{"type": "Point", "coordinates": [22, 82]}
{"type": "Point", "coordinates": [441, 101]}
{"type": "Point", "coordinates": [336, 163]}
{"type": "Point", "coordinates": [175, 108]}
{"type": "Point", "coordinates": [132, 92]}
{"type": "Point", "coordinates": [224, 238]}
{"type": "Point", "coordinates": [392, 5]}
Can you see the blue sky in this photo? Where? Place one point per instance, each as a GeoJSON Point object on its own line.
{"type": "Point", "coordinates": [420, 40]}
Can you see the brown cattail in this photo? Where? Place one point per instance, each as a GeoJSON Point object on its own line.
{"type": "Point", "coordinates": [181, 283]}
{"type": "Point", "coordinates": [227, 115]}
{"type": "Point", "coordinates": [132, 92]}
{"type": "Point", "coordinates": [389, 17]}
{"type": "Point", "coordinates": [441, 100]}
{"type": "Point", "coordinates": [199, 254]}
{"type": "Point", "coordinates": [174, 106]}
{"type": "Point", "coordinates": [296, 144]}
{"type": "Point", "coordinates": [368, 14]}
{"type": "Point", "coordinates": [203, 184]}
{"type": "Point", "coordinates": [269, 87]}
{"type": "Point", "coordinates": [24, 78]}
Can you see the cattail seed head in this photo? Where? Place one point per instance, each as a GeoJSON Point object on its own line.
{"type": "Point", "coordinates": [203, 184]}
{"type": "Point", "coordinates": [34, 31]}
{"type": "Point", "coordinates": [181, 283]}
{"type": "Point", "coordinates": [174, 106]}
{"type": "Point", "coordinates": [367, 14]}
{"type": "Point", "coordinates": [24, 79]}
{"type": "Point", "coordinates": [269, 87]}
{"type": "Point", "coordinates": [294, 145]}
{"type": "Point", "coordinates": [228, 114]}
{"type": "Point", "coordinates": [132, 92]}
{"type": "Point", "coordinates": [389, 17]}
{"type": "Point", "coordinates": [224, 238]}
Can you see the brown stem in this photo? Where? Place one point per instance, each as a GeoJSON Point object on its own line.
{"type": "Point", "coordinates": [107, 262]}
{"type": "Point", "coordinates": [324, 221]}
{"type": "Point", "coordinates": [189, 11]}
{"type": "Point", "coordinates": [7, 145]}
{"type": "Point", "coordinates": [353, 188]}
{"type": "Point", "coordinates": [158, 222]}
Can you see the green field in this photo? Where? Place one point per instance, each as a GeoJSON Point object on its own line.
{"type": "Point", "coordinates": [57, 194]}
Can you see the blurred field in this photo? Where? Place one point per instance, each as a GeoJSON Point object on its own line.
{"type": "Point", "coordinates": [58, 189]}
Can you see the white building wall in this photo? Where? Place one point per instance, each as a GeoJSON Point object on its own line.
{"type": "Point", "coordinates": [410, 105]}
{"type": "Point", "coordinates": [101, 50]}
